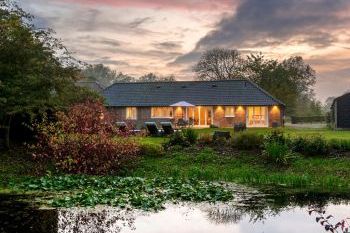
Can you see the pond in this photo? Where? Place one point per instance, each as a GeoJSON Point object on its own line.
{"type": "Point", "coordinates": [250, 211]}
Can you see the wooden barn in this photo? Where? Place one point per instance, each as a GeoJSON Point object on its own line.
{"type": "Point", "coordinates": [340, 112]}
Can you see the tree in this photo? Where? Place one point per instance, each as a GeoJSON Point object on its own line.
{"type": "Point", "coordinates": [105, 75]}
{"type": "Point", "coordinates": [37, 73]}
{"type": "Point", "coordinates": [290, 80]}
{"type": "Point", "coordinates": [220, 64]}
{"type": "Point", "coordinates": [151, 77]}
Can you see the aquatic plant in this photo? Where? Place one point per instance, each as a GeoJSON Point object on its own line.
{"type": "Point", "coordinates": [124, 191]}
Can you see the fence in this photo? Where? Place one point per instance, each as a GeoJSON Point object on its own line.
{"type": "Point", "coordinates": [307, 119]}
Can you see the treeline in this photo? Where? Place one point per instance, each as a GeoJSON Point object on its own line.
{"type": "Point", "coordinates": [107, 76]}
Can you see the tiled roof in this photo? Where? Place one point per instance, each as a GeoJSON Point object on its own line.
{"type": "Point", "coordinates": [228, 92]}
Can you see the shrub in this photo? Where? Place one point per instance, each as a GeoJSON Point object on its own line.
{"type": "Point", "coordinates": [310, 146]}
{"type": "Point", "coordinates": [190, 135]}
{"type": "Point", "coordinates": [152, 149]}
{"type": "Point", "coordinates": [81, 141]}
{"type": "Point", "coordinates": [338, 144]}
{"type": "Point", "coordinates": [277, 153]}
{"type": "Point", "coordinates": [185, 137]}
{"type": "Point", "coordinates": [212, 126]}
{"type": "Point", "coordinates": [247, 141]}
{"type": "Point", "coordinates": [275, 136]}
{"type": "Point", "coordinates": [177, 139]}
{"type": "Point", "coordinates": [205, 139]}
{"type": "Point", "coordinates": [92, 154]}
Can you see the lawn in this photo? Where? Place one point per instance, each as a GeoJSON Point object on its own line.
{"type": "Point", "coordinates": [327, 133]}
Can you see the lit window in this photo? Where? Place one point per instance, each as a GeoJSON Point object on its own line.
{"type": "Point", "coordinates": [229, 111]}
{"type": "Point", "coordinates": [131, 113]}
{"type": "Point", "coordinates": [162, 112]}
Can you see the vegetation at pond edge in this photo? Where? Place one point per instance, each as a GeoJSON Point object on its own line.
{"type": "Point", "coordinates": [310, 174]}
{"type": "Point", "coordinates": [142, 193]}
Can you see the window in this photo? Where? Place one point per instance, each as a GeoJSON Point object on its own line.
{"type": "Point", "coordinates": [229, 111]}
{"type": "Point", "coordinates": [131, 113]}
{"type": "Point", "coordinates": [162, 112]}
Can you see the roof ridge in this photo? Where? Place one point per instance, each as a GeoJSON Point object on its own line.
{"type": "Point", "coordinates": [176, 81]}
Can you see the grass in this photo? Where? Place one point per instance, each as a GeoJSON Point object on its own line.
{"type": "Point", "coordinates": [327, 133]}
{"type": "Point", "coordinates": [316, 174]}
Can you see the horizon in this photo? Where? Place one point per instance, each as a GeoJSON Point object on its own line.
{"type": "Point", "coordinates": [175, 33]}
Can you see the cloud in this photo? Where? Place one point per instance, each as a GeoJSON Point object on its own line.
{"type": "Point", "coordinates": [274, 22]}
{"type": "Point", "coordinates": [139, 21]}
{"type": "Point", "coordinates": [172, 45]}
{"type": "Point", "coordinates": [192, 5]}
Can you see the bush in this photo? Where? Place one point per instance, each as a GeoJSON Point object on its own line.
{"type": "Point", "coordinates": [205, 139]}
{"type": "Point", "coordinates": [184, 138]}
{"type": "Point", "coordinates": [151, 149]}
{"type": "Point", "coordinates": [190, 135]}
{"type": "Point", "coordinates": [341, 145]}
{"type": "Point", "coordinates": [310, 146]}
{"type": "Point", "coordinates": [82, 141]}
{"type": "Point", "coordinates": [247, 141]}
{"type": "Point", "coordinates": [92, 154]}
{"type": "Point", "coordinates": [277, 153]}
{"type": "Point", "coordinates": [275, 136]}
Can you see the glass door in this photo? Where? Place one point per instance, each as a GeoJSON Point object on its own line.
{"type": "Point", "coordinates": [257, 116]}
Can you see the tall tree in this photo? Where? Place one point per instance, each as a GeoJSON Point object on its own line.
{"type": "Point", "coordinates": [290, 80]}
{"type": "Point", "coordinates": [105, 75]}
{"type": "Point", "coordinates": [151, 77]}
{"type": "Point", "coordinates": [36, 71]}
{"type": "Point", "coordinates": [220, 64]}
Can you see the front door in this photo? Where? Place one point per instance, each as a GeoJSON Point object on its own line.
{"type": "Point", "coordinates": [257, 116]}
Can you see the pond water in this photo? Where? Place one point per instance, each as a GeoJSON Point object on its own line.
{"type": "Point", "coordinates": [250, 212]}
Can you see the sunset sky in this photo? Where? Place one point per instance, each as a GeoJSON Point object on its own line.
{"type": "Point", "coordinates": [167, 37]}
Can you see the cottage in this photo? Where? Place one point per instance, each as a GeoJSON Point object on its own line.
{"type": "Point", "coordinates": [204, 103]}
{"type": "Point", "coordinates": [340, 112]}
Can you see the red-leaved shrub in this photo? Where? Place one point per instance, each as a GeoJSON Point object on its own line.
{"type": "Point", "coordinates": [84, 140]}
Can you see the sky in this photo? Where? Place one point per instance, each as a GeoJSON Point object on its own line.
{"type": "Point", "coordinates": [167, 37]}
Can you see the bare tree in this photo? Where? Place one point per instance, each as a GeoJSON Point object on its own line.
{"type": "Point", "coordinates": [220, 64]}
{"type": "Point", "coordinates": [151, 77]}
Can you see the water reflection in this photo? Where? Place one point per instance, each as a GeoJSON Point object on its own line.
{"type": "Point", "coordinates": [251, 211]}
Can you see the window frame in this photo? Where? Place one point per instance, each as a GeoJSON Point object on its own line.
{"type": "Point", "coordinates": [233, 108]}
{"type": "Point", "coordinates": [162, 117]}
{"type": "Point", "coordinates": [132, 109]}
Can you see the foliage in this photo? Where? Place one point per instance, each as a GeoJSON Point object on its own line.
{"type": "Point", "coordinates": [105, 75]}
{"type": "Point", "coordinates": [311, 173]}
{"type": "Point", "coordinates": [278, 153]}
{"type": "Point", "coordinates": [37, 73]}
{"type": "Point", "coordinates": [151, 77]}
{"type": "Point", "coordinates": [325, 221]}
{"type": "Point", "coordinates": [205, 139]}
{"type": "Point", "coordinates": [81, 141]}
{"type": "Point", "coordinates": [190, 135]}
{"type": "Point", "coordinates": [307, 119]}
{"type": "Point", "coordinates": [152, 149]}
{"type": "Point", "coordinates": [184, 137]}
{"type": "Point", "coordinates": [310, 146]}
{"type": "Point", "coordinates": [124, 192]}
{"type": "Point", "coordinates": [220, 64]}
{"type": "Point", "coordinates": [247, 141]}
{"type": "Point", "coordinates": [290, 80]}
{"type": "Point", "coordinates": [275, 136]}
{"type": "Point", "coordinates": [339, 144]}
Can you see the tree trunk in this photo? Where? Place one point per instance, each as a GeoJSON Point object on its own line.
{"type": "Point", "coordinates": [7, 133]}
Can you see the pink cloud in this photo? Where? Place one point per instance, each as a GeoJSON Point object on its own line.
{"type": "Point", "coordinates": [193, 5]}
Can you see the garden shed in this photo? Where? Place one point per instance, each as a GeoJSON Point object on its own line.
{"type": "Point", "coordinates": [340, 112]}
